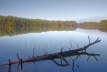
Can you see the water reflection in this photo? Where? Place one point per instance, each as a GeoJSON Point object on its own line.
{"type": "Point", "coordinates": [60, 55]}
{"type": "Point", "coordinates": [73, 59]}
{"type": "Point", "coordinates": [6, 30]}
{"type": "Point", "coordinates": [14, 30]}
{"type": "Point", "coordinates": [35, 44]}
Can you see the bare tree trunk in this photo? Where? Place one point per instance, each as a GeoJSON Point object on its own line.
{"type": "Point", "coordinates": [53, 56]}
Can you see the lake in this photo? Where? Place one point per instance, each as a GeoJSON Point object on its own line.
{"type": "Point", "coordinates": [52, 41]}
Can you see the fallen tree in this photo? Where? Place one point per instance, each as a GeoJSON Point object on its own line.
{"type": "Point", "coordinates": [52, 57]}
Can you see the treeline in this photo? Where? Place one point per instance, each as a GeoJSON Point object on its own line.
{"type": "Point", "coordinates": [13, 24]}
{"type": "Point", "coordinates": [104, 22]}
{"type": "Point", "coordinates": [102, 25]}
{"type": "Point", "coordinates": [13, 20]}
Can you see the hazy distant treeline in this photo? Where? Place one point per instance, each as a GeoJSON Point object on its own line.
{"type": "Point", "coordinates": [102, 25]}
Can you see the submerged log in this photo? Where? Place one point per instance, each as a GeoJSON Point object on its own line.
{"type": "Point", "coordinates": [79, 51]}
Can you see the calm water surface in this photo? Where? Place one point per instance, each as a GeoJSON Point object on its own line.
{"type": "Point", "coordinates": [51, 42]}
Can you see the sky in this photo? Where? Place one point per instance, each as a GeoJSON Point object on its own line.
{"type": "Point", "coordinates": [54, 9]}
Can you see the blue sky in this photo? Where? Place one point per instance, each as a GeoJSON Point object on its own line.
{"type": "Point", "coordinates": [54, 9]}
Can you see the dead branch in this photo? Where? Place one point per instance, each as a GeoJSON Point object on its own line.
{"type": "Point", "coordinates": [53, 56]}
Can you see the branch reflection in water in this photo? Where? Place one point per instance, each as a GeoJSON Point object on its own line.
{"type": "Point", "coordinates": [73, 54]}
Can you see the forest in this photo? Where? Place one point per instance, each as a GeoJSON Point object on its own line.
{"type": "Point", "coordinates": [12, 25]}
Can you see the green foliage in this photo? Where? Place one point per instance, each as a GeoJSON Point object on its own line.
{"type": "Point", "coordinates": [38, 22]}
{"type": "Point", "coordinates": [13, 24]}
{"type": "Point", "coordinates": [104, 22]}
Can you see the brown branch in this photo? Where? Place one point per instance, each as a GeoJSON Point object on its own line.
{"type": "Point", "coordinates": [56, 55]}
